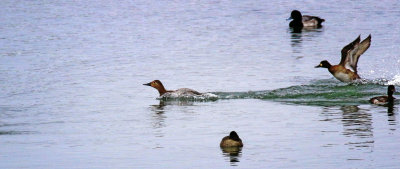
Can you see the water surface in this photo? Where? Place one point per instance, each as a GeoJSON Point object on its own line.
{"type": "Point", "coordinates": [71, 93]}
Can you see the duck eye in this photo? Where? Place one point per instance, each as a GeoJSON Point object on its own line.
{"type": "Point", "coordinates": [320, 64]}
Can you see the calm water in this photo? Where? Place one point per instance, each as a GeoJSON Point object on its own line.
{"type": "Point", "coordinates": [71, 93]}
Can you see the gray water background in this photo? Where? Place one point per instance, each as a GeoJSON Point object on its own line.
{"type": "Point", "coordinates": [71, 93]}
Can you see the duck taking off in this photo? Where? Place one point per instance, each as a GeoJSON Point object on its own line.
{"type": "Point", "coordinates": [346, 70]}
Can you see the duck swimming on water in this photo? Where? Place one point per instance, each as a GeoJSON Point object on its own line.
{"type": "Point", "coordinates": [161, 89]}
{"type": "Point", "coordinates": [346, 70]}
{"type": "Point", "coordinates": [299, 21]}
{"type": "Point", "coordinates": [232, 140]}
{"type": "Point", "coordinates": [384, 99]}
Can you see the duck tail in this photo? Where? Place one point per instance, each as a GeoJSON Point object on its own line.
{"type": "Point", "coordinates": [320, 20]}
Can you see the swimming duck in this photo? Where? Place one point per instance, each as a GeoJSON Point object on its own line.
{"type": "Point", "coordinates": [384, 99]}
{"type": "Point", "coordinates": [300, 21]}
{"type": "Point", "coordinates": [346, 70]}
{"type": "Point", "coordinates": [160, 87]}
{"type": "Point", "coordinates": [232, 140]}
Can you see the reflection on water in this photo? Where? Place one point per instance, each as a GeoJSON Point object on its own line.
{"type": "Point", "coordinates": [233, 153]}
{"type": "Point", "coordinates": [158, 118]}
{"type": "Point", "coordinates": [14, 132]}
{"type": "Point", "coordinates": [391, 115]}
{"type": "Point", "coordinates": [357, 125]}
{"type": "Point", "coordinates": [158, 108]}
{"type": "Point", "coordinates": [296, 39]}
{"type": "Point", "coordinates": [390, 110]}
{"type": "Point", "coordinates": [357, 122]}
{"type": "Point", "coordinates": [296, 30]}
{"type": "Point", "coordinates": [7, 128]}
{"type": "Point", "coordinates": [295, 42]}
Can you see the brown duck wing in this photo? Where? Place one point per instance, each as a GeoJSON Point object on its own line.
{"type": "Point", "coordinates": [361, 48]}
{"type": "Point", "coordinates": [346, 51]}
{"type": "Point", "coordinates": [352, 52]}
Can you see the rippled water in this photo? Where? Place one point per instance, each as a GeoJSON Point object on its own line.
{"type": "Point", "coordinates": [71, 93]}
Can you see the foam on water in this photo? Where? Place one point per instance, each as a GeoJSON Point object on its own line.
{"type": "Point", "coordinates": [326, 92]}
{"type": "Point", "coordinates": [395, 81]}
{"type": "Point", "coordinates": [188, 97]}
{"type": "Point", "coordinates": [322, 93]}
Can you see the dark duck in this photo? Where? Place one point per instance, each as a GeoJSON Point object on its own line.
{"type": "Point", "coordinates": [299, 21]}
{"type": "Point", "coordinates": [381, 100]}
{"type": "Point", "coordinates": [232, 140]}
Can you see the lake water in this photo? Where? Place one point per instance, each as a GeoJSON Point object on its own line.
{"type": "Point", "coordinates": [71, 93]}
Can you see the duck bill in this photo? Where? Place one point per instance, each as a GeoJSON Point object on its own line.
{"type": "Point", "coordinates": [290, 18]}
{"type": "Point", "coordinates": [317, 66]}
{"type": "Point", "coordinates": [147, 84]}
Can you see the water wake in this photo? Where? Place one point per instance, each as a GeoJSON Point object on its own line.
{"type": "Point", "coordinates": [321, 92]}
{"type": "Point", "coordinates": [188, 97]}
{"type": "Point", "coordinates": [327, 92]}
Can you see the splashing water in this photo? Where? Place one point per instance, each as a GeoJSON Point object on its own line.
{"type": "Point", "coordinates": [395, 81]}
{"type": "Point", "coordinates": [327, 92]}
{"type": "Point", "coordinates": [321, 93]}
{"type": "Point", "coordinates": [188, 97]}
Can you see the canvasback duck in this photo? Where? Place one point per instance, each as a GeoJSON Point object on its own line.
{"type": "Point", "coordinates": [232, 140]}
{"type": "Point", "coordinates": [299, 21]}
{"type": "Point", "coordinates": [161, 89]}
{"type": "Point", "coordinates": [346, 70]}
{"type": "Point", "coordinates": [384, 99]}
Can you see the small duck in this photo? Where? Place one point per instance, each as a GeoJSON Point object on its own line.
{"type": "Point", "coordinates": [160, 87]}
{"type": "Point", "coordinates": [384, 99]}
{"type": "Point", "coordinates": [300, 21]}
{"type": "Point", "coordinates": [232, 140]}
{"type": "Point", "coordinates": [346, 70]}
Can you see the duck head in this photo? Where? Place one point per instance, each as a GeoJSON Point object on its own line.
{"type": "Point", "coordinates": [324, 64]}
{"type": "Point", "coordinates": [295, 15]}
{"type": "Point", "coordinates": [391, 90]}
{"type": "Point", "coordinates": [157, 85]}
{"type": "Point", "coordinates": [234, 136]}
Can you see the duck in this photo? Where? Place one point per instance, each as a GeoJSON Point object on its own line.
{"type": "Point", "coordinates": [300, 21]}
{"type": "Point", "coordinates": [346, 70]}
{"type": "Point", "coordinates": [161, 89]}
{"type": "Point", "coordinates": [232, 140]}
{"type": "Point", "coordinates": [384, 99]}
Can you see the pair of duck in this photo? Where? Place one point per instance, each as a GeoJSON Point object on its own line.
{"type": "Point", "coordinates": [346, 70]}
{"type": "Point", "coordinates": [232, 140]}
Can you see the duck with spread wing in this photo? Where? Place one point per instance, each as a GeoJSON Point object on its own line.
{"type": "Point", "coordinates": [346, 70]}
